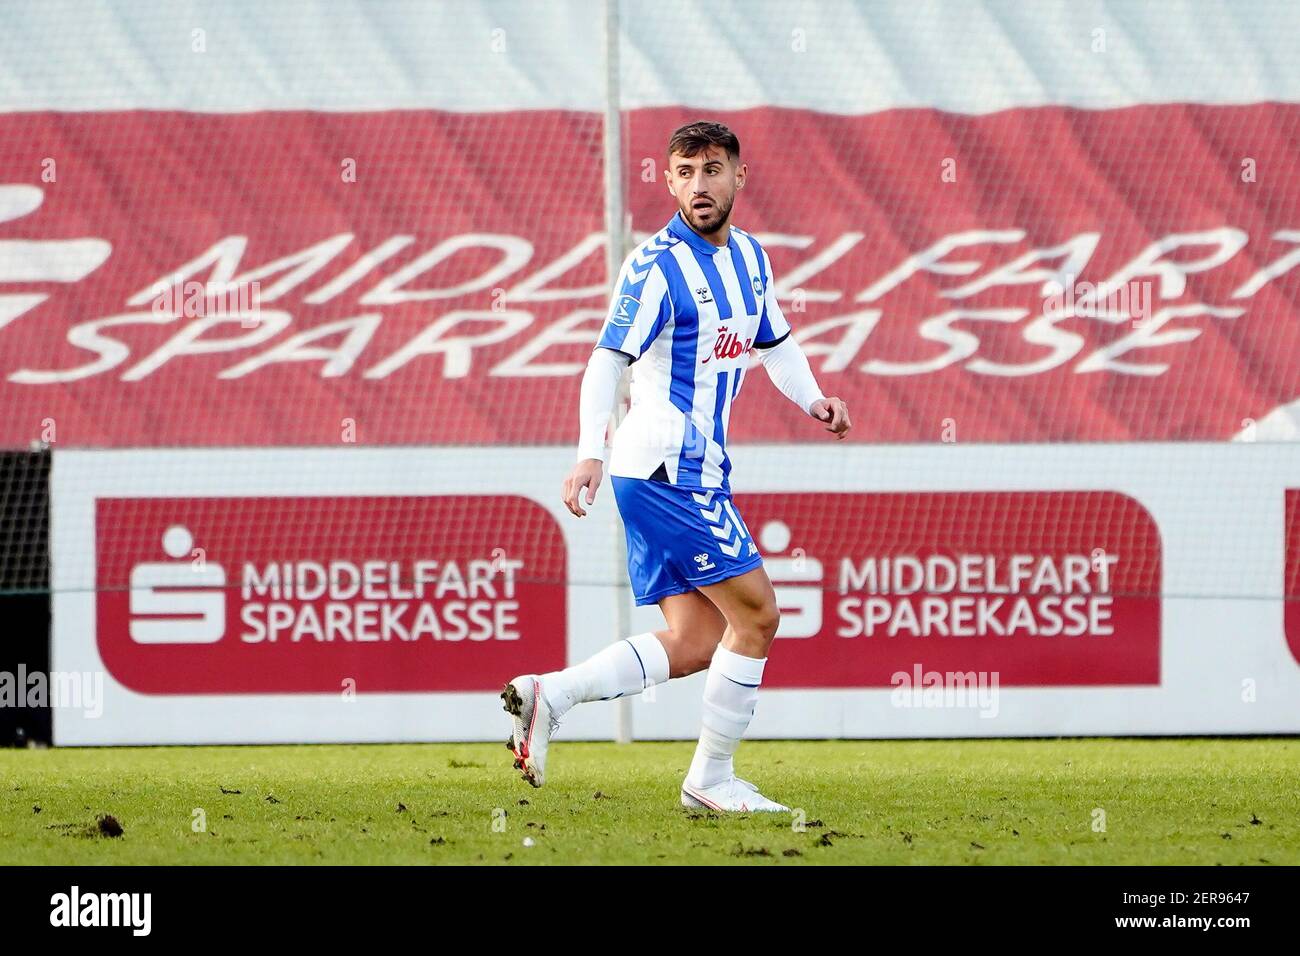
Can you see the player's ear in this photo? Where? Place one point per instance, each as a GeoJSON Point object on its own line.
{"type": "Point", "coordinates": [741, 175]}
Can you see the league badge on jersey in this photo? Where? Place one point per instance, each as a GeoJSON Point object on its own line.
{"type": "Point", "coordinates": [625, 310]}
{"type": "Point", "coordinates": [758, 287]}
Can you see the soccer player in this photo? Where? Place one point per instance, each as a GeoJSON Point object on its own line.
{"type": "Point", "coordinates": [690, 305]}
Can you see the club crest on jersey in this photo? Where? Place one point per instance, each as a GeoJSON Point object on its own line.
{"type": "Point", "coordinates": [625, 310]}
{"type": "Point", "coordinates": [702, 559]}
{"type": "Point", "coordinates": [704, 295]}
{"type": "Point", "coordinates": [758, 287]}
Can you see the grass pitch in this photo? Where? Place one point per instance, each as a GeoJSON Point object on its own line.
{"type": "Point", "coordinates": [1186, 801]}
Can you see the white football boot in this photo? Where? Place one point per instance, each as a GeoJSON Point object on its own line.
{"type": "Point", "coordinates": [733, 795]}
{"type": "Point", "coordinates": [534, 726]}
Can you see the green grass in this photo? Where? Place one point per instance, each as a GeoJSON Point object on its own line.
{"type": "Point", "coordinates": [1191, 801]}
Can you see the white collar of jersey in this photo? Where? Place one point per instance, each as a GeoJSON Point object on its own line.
{"type": "Point", "coordinates": [679, 228]}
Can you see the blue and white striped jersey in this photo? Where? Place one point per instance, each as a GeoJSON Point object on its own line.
{"type": "Point", "coordinates": [688, 313]}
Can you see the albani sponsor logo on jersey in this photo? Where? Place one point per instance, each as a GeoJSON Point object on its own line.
{"type": "Point", "coordinates": [728, 345]}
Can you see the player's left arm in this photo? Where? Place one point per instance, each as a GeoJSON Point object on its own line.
{"type": "Point", "coordinates": [787, 365]}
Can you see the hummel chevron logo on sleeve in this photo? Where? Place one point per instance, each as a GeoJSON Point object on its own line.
{"type": "Point", "coordinates": [645, 258]}
{"type": "Point", "coordinates": [714, 516]}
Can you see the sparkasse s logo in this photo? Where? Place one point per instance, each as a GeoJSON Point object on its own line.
{"type": "Point", "coordinates": [181, 601]}
{"type": "Point", "coordinates": [43, 260]}
{"type": "Point", "coordinates": [796, 579]}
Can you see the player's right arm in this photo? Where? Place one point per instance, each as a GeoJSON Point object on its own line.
{"type": "Point", "coordinates": [596, 401]}
{"type": "Point", "coordinates": [638, 312]}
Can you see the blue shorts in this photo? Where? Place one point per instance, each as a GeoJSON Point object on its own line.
{"type": "Point", "coordinates": [680, 538]}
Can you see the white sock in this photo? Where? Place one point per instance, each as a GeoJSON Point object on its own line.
{"type": "Point", "coordinates": [622, 669]}
{"type": "Point", "coordinates": [730, 696]}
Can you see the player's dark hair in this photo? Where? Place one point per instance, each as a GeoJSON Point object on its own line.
{"type": "Point", "coordinates": [688, 140]}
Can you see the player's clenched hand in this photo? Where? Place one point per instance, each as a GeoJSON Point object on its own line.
{"type": "Point", "coordinates": [835, 413]}
{"type": "Point", "coordinates": [586, 474]}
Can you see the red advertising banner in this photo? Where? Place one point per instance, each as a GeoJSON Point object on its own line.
{"type": "Point", "coordinates": [1035, 588]}
{"type": "Point", "coordinates": [282, 595]}
{"type": "Point", "coordinates": [279, 278]}
{"type": "Point", "coordinates": [1291, 576]}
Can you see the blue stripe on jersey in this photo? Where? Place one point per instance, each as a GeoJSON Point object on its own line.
{"type": "Point", "coordinates": [719, 435]}
{"type": "Point", "coordinates": [764, 334]}
{"type": "Point", "coordinates": [666, 311]}
{"type": "Point", "coordinates": [714, 279]}
{"type": "Point", "coordinates": [742, 275]}
{"type": "Point", "coordinates": [726, 459]}
{"type": "Point", "coordinates": [681, 388]}
{"type": "Point", "coordinates": [690, 460]}
{"type": "Point", "coordinates": [758, 255]}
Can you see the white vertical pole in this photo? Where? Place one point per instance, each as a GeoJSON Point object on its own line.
{"type": "Point", "coordinates": [616, 230]}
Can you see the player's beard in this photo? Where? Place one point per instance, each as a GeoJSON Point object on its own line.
{"type": "Point", "coordinates": [713, 219]}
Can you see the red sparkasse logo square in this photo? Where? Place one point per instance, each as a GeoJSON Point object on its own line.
{"type": "Point", "coordinates": [270, 595]}
{"type": "Point", "coordinates": [1041, 588]}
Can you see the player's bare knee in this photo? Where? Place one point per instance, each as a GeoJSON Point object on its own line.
{"type": "Point", "coordinates": [702, 645]}
{"type": "Point", "coordinates": [689, 652]}
{"type": "Point", "coordinates": [755, 633]}
{"type": "Point", "coordinates": [766, 621]}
